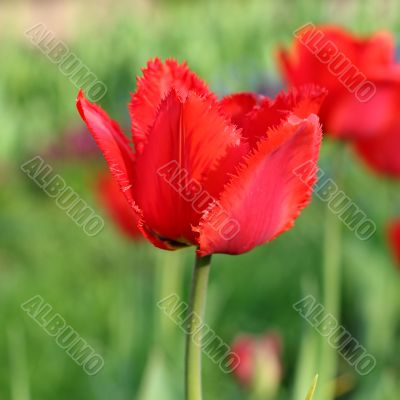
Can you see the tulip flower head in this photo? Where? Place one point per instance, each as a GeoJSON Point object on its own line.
{"type": "Point", "coordinates": [216, 174]}
{"type": "Point", "coordinates": [361, 76]}
{"type": "Point", "coordinates": [113, 200]}
{"type": "Point", "coordinates": [393, 231]}
{"type": "Point", "coordinates": [260, 366]}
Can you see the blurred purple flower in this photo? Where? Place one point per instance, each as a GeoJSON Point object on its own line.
{"type": "Point", "coordinates": [74, 143]}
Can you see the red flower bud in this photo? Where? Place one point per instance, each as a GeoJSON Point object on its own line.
{"type": "Point", "coordinates": [260, 366]}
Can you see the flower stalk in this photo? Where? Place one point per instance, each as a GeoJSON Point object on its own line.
{"type": "Point", "coordinates": [332, 278]}
{"type": "Point", "coordinates": [197, 303]}
{"type": "Point", "coordinates": [332, 293]}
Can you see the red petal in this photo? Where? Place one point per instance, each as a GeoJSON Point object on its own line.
{"type": "Point", "coordinates": [381, 153]}
{"type": "Point", "coordinates": [117, 152]}
{"type": "Point", "coordinates": [115, 203]}
{"type": "Point", "coordinates": [378, 53]}
{"type": "Point", "coordinates": [393, 231]}
{"type": "Point", "coordinates": [238, 105]}
{"type": "Point", "coordinates": [157, 81]}
{"type": "Point", "coordinates": [342, 114]}
{"type": "Point", "coordinates": [255, 115]}
{"type": "Point", "coordinates": [301, 101]}
{"type": "Point", "coordinates": [345, 116]}
{"type": "Point", "coordinates": [188, 135]}
{"type": "Point", "coordinates": [112, 142]}
{"type": "Point", "coordinates": [266, 196]}
{"type": "Point", "coordinates": [373, 55]}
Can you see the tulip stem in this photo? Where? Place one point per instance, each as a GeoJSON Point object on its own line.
{"type": "Point", "coordinates": [195, 319]}
{"type": "Point", "coordinates": [332, 290]}
{"type": "Point", "coordinates": [332, 276]}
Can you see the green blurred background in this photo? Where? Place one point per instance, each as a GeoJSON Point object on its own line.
{"type": "Point", "coordinates": [107, 286]}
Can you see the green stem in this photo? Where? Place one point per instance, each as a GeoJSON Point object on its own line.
{"type": "Point", "coordinates": [332, 276]}
{"type": "Point", "coordinates": [196, 317]}
{"type": "Point", "coordinates": [332, 290]}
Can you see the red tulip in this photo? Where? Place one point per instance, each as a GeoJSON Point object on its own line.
{"type": "Point", "coordinates": [118, 208]}
{"type": "Point", "coordinates": [360, 74]}
{"type": "Point", "coordinates": [394, 239]}
{"type": "Point", "coordinates": [217, 175]}
{"type": "Point", "coordinates": [260, 362]}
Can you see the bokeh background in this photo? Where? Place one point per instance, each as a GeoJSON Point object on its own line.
{"type": "Point", "coordinates": [107, 286]}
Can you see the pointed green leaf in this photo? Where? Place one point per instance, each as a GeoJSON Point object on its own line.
{"type": "Point", "coordinates": [311, 392]}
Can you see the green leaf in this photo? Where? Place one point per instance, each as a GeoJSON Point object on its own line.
{"type": "Point", "coordinates": [155, 384]}
{"type": "Point", "coordinates": [311, 392]}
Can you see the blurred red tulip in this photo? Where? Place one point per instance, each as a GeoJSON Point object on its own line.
{"type": "Point", "coordinates": [360, 74]}
{"type": "Point", "coordinates": [260, 366]}
{"type": "Point", "coordinates": [118, 208]}
{"type": "Point", "coordinates": [394, 239]}
{"type": "Point", "coordinates": [218, 175]}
